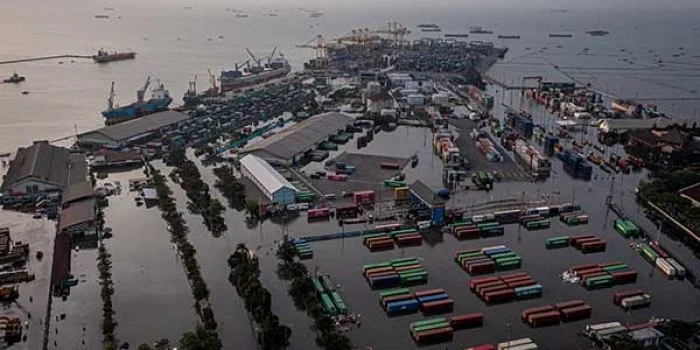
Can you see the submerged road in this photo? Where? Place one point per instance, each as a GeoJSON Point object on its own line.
{"type": "Point", "coordinates": [43, 58]}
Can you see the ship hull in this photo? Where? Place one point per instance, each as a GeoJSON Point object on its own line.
{"type": "Point", "coordinates": [237, 83]}
{"type": "Point", "coordinates": [114, 57]}
{"type": "Point", "coordinates": [135, 110]}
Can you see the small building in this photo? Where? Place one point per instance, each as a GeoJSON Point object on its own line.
{"type": "Point", "coordinates": [426, 199]}
{"type": "Point", "coordinates": [42, 168]}
{"type": "Point", "coordinates": [376, 101]}
{"type": "Point", "coordinates": [78, 219]}
{"type": "Point", "coordinates": [131, 131]}
{"type": "Point", "coordinates": [648, 337]}
{"type": "Point", "coordinates": [272, 184]}
{"type": "Point", "coordinates": [691, 193]}
{"type": "Point", "coordinates": [77, 192]}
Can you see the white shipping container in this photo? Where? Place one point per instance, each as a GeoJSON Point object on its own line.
{"type": "Point", "coordinates": [601, 326]}
{"type": "Point", "coordinates": [529, 346]}
{"type": "Point", "coordinates": [680, 270]}
{"type": "Point", "coordinates": [637, 300]}
{"type": "Point", "coordinates": [415, 100]}
{"type": "Point", "coordinates": [514, 342]}
{"type": "Point", "coordinates": [665, 267]}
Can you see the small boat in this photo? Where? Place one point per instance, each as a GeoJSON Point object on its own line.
{"type": "Point", "coordinates": [516, 37]}
{"type": "Point", "coordinates": [597, 32]}
{"type": "Point", "coordinates": [25, 92]}
{"type": "Point", "coordinates": [5, 155]}
{"type": "Point", "coordinates": [555, 35]}
{"type": "Point", "coordinates": [241, 15]}
{"type": "Point", "coordinates": [15, 78]}
{"type": "Point", "coordinates": [102, 16]}
{"type": "Point", "coordinates": [221, 36]}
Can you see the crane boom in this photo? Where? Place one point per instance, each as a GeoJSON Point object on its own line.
{"type": "Point", "coordinates": [255, 59]}
{"type": "Point", "coordinates": [269, 59]}
{"type": "Point", "coordinates": [141, 92]}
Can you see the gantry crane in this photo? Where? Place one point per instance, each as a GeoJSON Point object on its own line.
{"type": "Point", "coordinates": [320, 45]}
{"type": "Point", "coordinates": [397, 32]}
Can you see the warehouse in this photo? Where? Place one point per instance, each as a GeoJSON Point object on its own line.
{"type": "Point", "coordinates": [288, 147]}
{"type": "Point", "coordinates": [132, 131]}
{"type": "Point", "coordinates": [270, 182]}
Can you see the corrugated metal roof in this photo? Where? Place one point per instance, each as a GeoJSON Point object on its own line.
{"type": "Point", "coordinates": [77, 191]}
{"type": "Point", "coordinates": [268, 177]}
{"type": "Point", "coordinates": [425, 193]}
{"type": "Point", "coordinates": [138, 126]}
{"type": "Point", "coordinates": [40, 161]}
{"type": "Point", "coordinates": [77, 213]}
{"type": "Point", "coordinates": [302, 136]}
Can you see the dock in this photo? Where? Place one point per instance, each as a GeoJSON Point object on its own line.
{"type": "Point", "coordinates": [44, 58]}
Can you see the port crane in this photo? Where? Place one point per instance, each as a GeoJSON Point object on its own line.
{"type": "Point", "coordinates": [140, 93]}
{"type": "Point", "coordinates": [320, 45]}
{"type": "Point", "coordinates": [397, 32]}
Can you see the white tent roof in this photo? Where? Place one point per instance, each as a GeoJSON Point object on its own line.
{"type": "Point", "coordinates": [270, 178]}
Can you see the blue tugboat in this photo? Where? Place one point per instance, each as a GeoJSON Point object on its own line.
{"type": "Point", "coordinates": [159, 101]}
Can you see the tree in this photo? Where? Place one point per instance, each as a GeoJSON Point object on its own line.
{"type": "Point", "coordinates": [144, 346]}
{"type": "Point", "coordinates": [201, 339]}
{"type": "Point", "coordinates": [252, 207]}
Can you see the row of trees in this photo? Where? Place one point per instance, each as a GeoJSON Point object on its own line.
{"type": "Point", "coordinates": [199, 339]}
{"type": "Point", "coordinates": [201, 202]}
{"type": "Point", "coordinates": [302, 291]}
{"type": "Point", "coordinates": [245, 276]}
{"type": "Point", "coordinates": [229, 186]}
{"type": "Point", "coordinates": [664, 193]}
{"type": "Point", "coordinates": [104, 267]}
{"type": "Point", "coordinates": [178, 230]}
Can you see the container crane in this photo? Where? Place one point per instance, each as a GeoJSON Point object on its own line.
{"type": "Point", "coordinates": [212, 82]}
{"type": "Point", "coordinates": [397, 31]}
{"type": "Point", "coordinates": [320, 45]}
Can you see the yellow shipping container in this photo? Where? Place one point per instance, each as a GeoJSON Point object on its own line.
{"type": "Point", "coordinates": [401, 193]}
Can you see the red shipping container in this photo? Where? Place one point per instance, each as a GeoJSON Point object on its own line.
{"type": "Point", "coordinates": [521, 283]}
{"type": "Point", "coordinates": [482, 347]}
{"type": "Point", "coordinates": [437, 306]}
{"type": "Point", "coordinates": [575, 238]}
{"type": "Point", "coordinates": [618, 296]}
{"type": "Point", "coordinates": [363, 197]}
{"type": "Point", "coordinates": [406, 268]}
{"type": "Point", "coordinates": [380, 274]}
{"type": "Point", "coordinates": [486, 290]}
{"type": "Point", "coordinates": [590, 247]}
{"type": "Point", "coordinates": [499, 296]}
{"type": "Point", "coordinates": [590, 270]}
{"type": "Point", "coordinates": [624, 276]}
{"type": "Point", "coordinates": [480, 287]}
{"type": "Point", "coordinates": [463, 251]}
{"type": "Point", "coordinates": [568, 304]}
{"type": "Point", "coordinates": [508, 276]}
{"type": "Point", "coordinates": [395, 298]}
{"type": "Point", "coordinates": [612, 263]}
{"type": "Point", "coordinates": [544, 319]}
{"type": "Point", "coordinates": [576, 313]}
{"type": "Point", "coordinates": [426, 292]}
{"type": "Point", "coordinates": [534, 310]}
{"type": "Point", "coordinates": [410, 240]}
{"type": "Point", "coordinates": [378, 270]}
{"type": "Point", "coordinates": [475, 319]}
{"type": "Point", "coordinates": [583, 267]}
{"type": "Point", "coordinates": [477, 281]}
{"type": "Point", "coordinates": [433, 335]}
{"type": "Point", "coordinates": [578, 242]}
{"type": "Point", "coordinates": [518, 279]}
{"type": "Point", "coordinates": [481, 268]}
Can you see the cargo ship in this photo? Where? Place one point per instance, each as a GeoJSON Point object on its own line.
{"type": "Point", "coordinates": [597, 32]}
{"type": "Point", "coordinates": [456, 35]}
{"type": "Point", "coordinates": [554, 35]}
{"type": "Point", "coordinates": [276, 67]}
{"type": "Point", "coordinates": [103, 56]}
{"type": "Point", "coordinates": [479, 30]}
{"type": "Point", "coordinates": [428, 25]}
{"type": "Point", "coordinates": [159, 101]}
{"type": "Point", "coordinates": [517, 37]}
{"type": "Point", "coordinates": [15, 78]}
{"type": "Point", "coordinates": [431, 30]}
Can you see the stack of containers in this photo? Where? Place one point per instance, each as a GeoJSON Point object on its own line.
{"type": "Point", "coordinates": [506, 287]}
{"type": "Point", "coordinates": [406, 237]}
{"type": "Point", "coordinates": [434, 301]}
{"type": "Point", "coordinates": [303, 249]}
{"type": "Point", "coordinates": [468, 230]}
{"type": "Point", "coordinates": [572, 219]}
{"type": "Point", "coordinates": [603, 275]}
{"type": "Point", "coordinates": [515, 344]}
{"type": "Point", "coordinates": [398, 302]}
{"type": "Point", "coordinates": [483, 347]}
{"type": "Point", "coordinates": [329, 290]}
{"type": "Point", "coordinates": [535, 222]}
{"type": "Point", "coordinates": [486, 147]}
{"type": "Point", "coordinates": [487, 260]}
{"type": "Point", "coordinates": [431, 330]}
{"type": "Point", "coordinates": [557, 242]}
{"type": "Point", "coordinates": [631, 299]}
{"type": "Point", "coordinates": [576, 165]}
{"type": "Point", "coordinates": [663, 260]}
{"type": "Point", "coordinates": [404, 272]}
{"type": "Point", "coordinates": [554, 314]}
{"type": "Point", "coordinates": [378, 241]}
{"type": "Point", "coordinates": [588, 243]}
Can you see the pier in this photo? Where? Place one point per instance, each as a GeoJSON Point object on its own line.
{"type": "Point", "coordinates": [44, 58]}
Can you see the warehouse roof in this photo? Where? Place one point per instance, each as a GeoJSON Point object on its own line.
{"type": "Point", "coordinates": [138, 126]}
{"type": "Point", "coordinates": [76, 214]}
{"type": "Point", "coordinates": [77, 191]}
{"type": "Point", "coordinates": [266, 175]}
{"type": "Point", "coordinates": [301, 136]}
{"type": "Point", "coordinates": [46, 163]}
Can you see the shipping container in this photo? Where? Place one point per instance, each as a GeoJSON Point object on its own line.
{"type": "Point", "coordinates": [531, 291]}
{"type": "Point", "coordinates": [482, 347]}
{"type": "Point", "coordinates": [430, 298]}
{"type": "Point", "coordinates": [394, 298]}
{"type": "Point", "coordinates": [535, 310]}
{"type": "Point", "coordinates": [521, 283]}
{"type": "Point", "coordinates": [394, 292]}
{"type": "Point", "coordinates": [478, 281]}
{"type": "Point", "coordinates": [680, 270]}
{"type": "Point", "coordinates": [515, 342]}
{"type": "Point", "coordinates": [433, 335]}
{"type": "Point", "coordinates": [401, 193]}
{"type": "Point", "coordinates": [465, 321]}
{"type": "Point", "coordinates": [665, 267]}
{"type": "Point", "coordinates": [317, 285]}
{"type": "Point", "coordinates": [622, 277]}
{"type": "Point", "coordinates": [437, 320]}
{"type": "Point", "coordinates": [576, 313]}
{"type": "Point", "coordinates": [362, 197]}
{"type": "Point", "coordinates": [499, 296]}
{"type": "Point", "coordinates": [400, 307]}
{"type": "Point", "coordinates": [444, 305]}
{"type": "Point", "coordinates": [318, 213]}
{"type": "Point", "coordinates": [613, 268]}
{"type": "Point", "coordinates": [513, 276]}
{"type": "Point", "coordinates": [328, 305]}
{"type": "Point", "coordinates": [481, 268]}
{"type": "Point", "coordinates": [568, 304]}
{"type": "Point", "coordinates": [593, 246]}
{"type": "Point", "coordinates": [636, 301]}
{"type": "Point", "coordinates": [543, 319]}
{"type": "Point", "coordinates": [339, 303]}
{"type": "Point", "coordinates": [557, 242]}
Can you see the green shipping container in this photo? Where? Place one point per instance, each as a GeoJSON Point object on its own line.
{"type": "Point", "coordinates": [614, 268]}
{"type": "Point", "coordinates": [339, 303]}
{"type": "Point", "coordinates": [401, 260]}
{"type": "Point", "coordinates": [393, 292]}
{"type": "Point", "coordinates": [504, 255]}
{"type": "Point", "coordinates": [328, 305]}
{"type": "Point", "coordinates": [327, 283]}
{"type": "Point", "coordinates": [411, 272]}
{"type": "Point", "coordinates": [430, 326]}
{"type": "Point", "coordinates": [317, 285]}
{"type": "Point", "coordinates": [372, 266]}
{"type": "Point", "coordinates": [435, 320]}
{"type": "Point", "coordinates": [487, 225]}
{"type": "Point", "coordinates": [469, 255]}
{"type": "Point", "coordinates": [405, 263]}
{"type": "Point", "coordinates": [513, 258]}
{"type": "Point", "coordinates": [373, 235]}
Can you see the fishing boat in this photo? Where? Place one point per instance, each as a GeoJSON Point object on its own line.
{"type": "Point", "coordinates": [15, 78]}
{"type": "Point", "coordinates": [516, 37]}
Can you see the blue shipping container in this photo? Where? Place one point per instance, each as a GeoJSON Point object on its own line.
{"type": "Point", "coordinates": [402, 306]}
{"type": "Point", "coordinates": [493, 251]}
{"type": "Point", "coordinates": [434, 297]}
{"type": "Point", "coordinates": [528, 289]}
